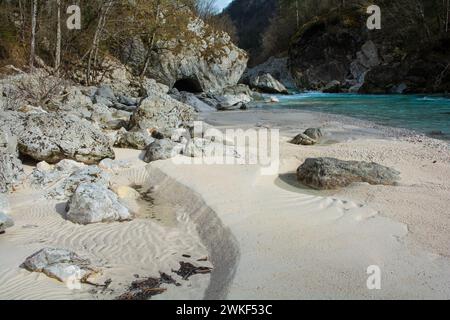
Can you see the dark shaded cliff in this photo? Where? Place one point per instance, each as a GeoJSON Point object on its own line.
{"type": "Point", "coordinates": [410, 54]}
{"type": "Point", "coordinates": [251, 18]}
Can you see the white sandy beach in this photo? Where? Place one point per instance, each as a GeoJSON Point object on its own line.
{"type": "Point", "coordinates": [267, 237]}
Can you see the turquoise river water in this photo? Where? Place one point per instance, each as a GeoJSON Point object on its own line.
{"type": "Point", "coordinates": [425, 114]}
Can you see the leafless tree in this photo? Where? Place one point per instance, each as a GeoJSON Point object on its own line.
{"type": "Point", "coordinates": [58, 37]}
{"type": "Point", "coordinates": [33, 33]}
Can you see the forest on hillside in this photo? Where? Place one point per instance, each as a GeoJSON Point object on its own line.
{"type": "Point", "coordinates": [266, 27]}
{"type": "Point", "coordinates": [34, 33]}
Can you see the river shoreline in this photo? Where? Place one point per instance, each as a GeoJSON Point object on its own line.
{"type": "Point", "coordinates": [423, 114]}
{"type": "Point", "coordinates": [268, 237]}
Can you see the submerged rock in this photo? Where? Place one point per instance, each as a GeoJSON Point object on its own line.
{"type": "Point", "coordinates": [331, 173]}
{"type": "Point", "coordinates": [93, 203]}
{"type": "Point", "coordinates": [61, 264]}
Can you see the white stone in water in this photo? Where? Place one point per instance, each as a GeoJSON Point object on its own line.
{"type": "Point", "coordinates": [273, 99]}
{"type": "Point", "coordinates": [93, 203]}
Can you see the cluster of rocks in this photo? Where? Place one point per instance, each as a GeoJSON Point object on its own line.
{"type": "Point", "coordinates": [191, 144]}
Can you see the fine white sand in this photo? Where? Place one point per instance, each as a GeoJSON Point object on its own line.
{"type": "Point", "coordinates": [268, 237]}
{"type": "Point", "coordinates": [141, 247]}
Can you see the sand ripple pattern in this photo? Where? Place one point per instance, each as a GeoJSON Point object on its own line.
{"type": "Point", "coordinates": [141, 246]}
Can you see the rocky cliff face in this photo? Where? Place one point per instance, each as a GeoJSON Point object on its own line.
{"type": "Point", "coordinates": [399, 58]}
{"type": "Point", "coordinates": [201, 60]}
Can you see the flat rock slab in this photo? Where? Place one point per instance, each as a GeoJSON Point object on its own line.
{"type": "Point", "coordinates": [331, 173]}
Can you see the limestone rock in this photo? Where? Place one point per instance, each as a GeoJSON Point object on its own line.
{"type": "Point", "coordinates": [277, 67]}
{"type": "Point", "coordinates": [331, 173]}
{"type": "Point", "coordinates": [268, 84]}
{"type": "Point", "coordinates": [314, 133]}
{"type": "Point", "coordinates": [209, 63]}
{"type": "Point", "coordinates": [162, 150]}
{"type": "Point", "coordinates": [94, 203]}
{"type": "Point", "coordinates": [60, 264]}
{"type": "Point", "coordinates": [46, 174]}
{"type": "Point", "coordinates": [53, 137]}
{"type": "Point", "coordinates": [67, 186]}
{"type": "Point", "coordinates": [5, 222]}
{"type": "Point", "coordinates": [303, 139]}
{"type": "Point", "coordinates": [161, 113]}
{"type": "Point", "coordinates": [113, 165]}
{"type": "Point", "coordinates": [11, 169]}
{"type": "Point", "coordinates": [133, 139]}
{"type": "Point", "coordinates": [192, 100]}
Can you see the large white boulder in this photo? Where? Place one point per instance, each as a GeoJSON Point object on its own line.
{"type": "Point", "coordinates": [161, 113]}
{"type": "Point", "coordinates": [53, 137]}
{"type": "Point", "coordinates": [94, 203]}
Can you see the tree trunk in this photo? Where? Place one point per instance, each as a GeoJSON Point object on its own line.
{"type": "Point", "coordinates": [93, 53]}
{"type": "Point", "coordinates": [58, 38]}
{"type": "Point", "coordinates": [33, 33]}
{"type": "Point", "coordinates": [152, 41]}
{"type": "Point", "coordinates": [148, 56]}
{"type": "Point", "coordinates": [447, 15]}
{"type": "Point", "coordinates": [22, 22]}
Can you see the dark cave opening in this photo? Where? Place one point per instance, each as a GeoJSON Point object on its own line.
{"type": "Point", "coordinates": [189, 85]}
